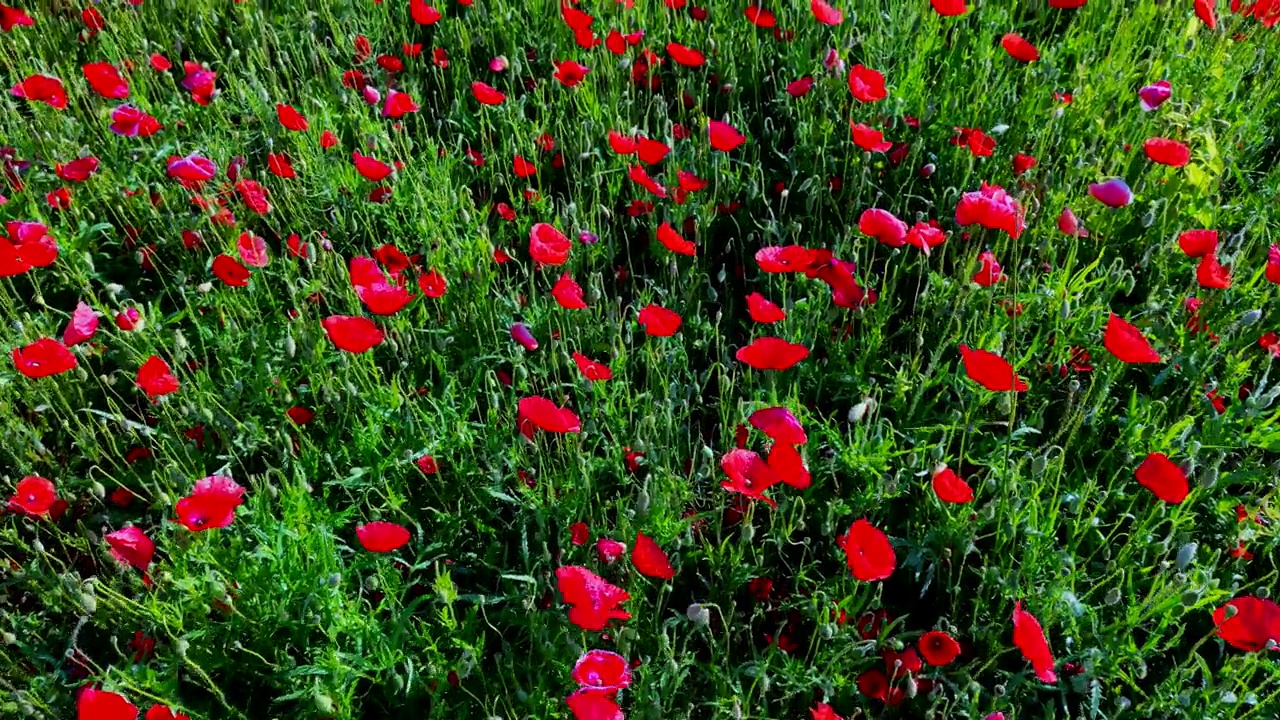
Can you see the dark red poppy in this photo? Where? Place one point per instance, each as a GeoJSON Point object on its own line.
{"type": "Point", "coordinates": [381, 537]}
{"type": "Point", "coordinates": [771, 353]}
{"type": "Point", "coordinates": [1163, 478]}
{"type": "Point", "coordinates": [868, 551]}
{"type": "Point", "coordinates": [352, 334]}
{"type": "Point", "coordinates": [43, 358]}
{"type": "Point", "coordinates": [938, 648]}
{"type": "Point", "coordinates": [990, 370]}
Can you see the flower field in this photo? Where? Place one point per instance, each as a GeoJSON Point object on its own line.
{"type": "Point", "coordinates": [679, 359]}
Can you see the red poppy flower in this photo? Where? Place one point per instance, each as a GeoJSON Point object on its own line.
{"type": "Point", "coordinates": [672, 241]}
{"type": "Point", "coordinates": [788, 464]}
{"type": "Point", "coordinates": [990, 370]}
{"type": "Point", "coordinates": [423, 14]}
{"type": "Point", "coordinates": [1163, 477]}
{"type": "Point", "coordinates": [163, 712]}
{"type": "Point", "coordinates": [867, 85]}
{"type": "Point", "coordinates": [950, 487]}
{"type": "Point", "coordinates": [102, 705]}
{"type": "Point", "coordinates": [1198, 243]}
{"type": "Point", "coordinates": [105, 80]}
{"type": "Point", "coordinates": [649, 558]}
{"type": "Point", "coordinates": [1206, 12]}
{"type": "Point", "coordinates": [992, 208]}
{"type": "Point", "coordinates": [42, 88]}
{"type": "Point", "coordinates": [591, 704]}
{"type": "Point", "coordinates": [870, 555]}
{"type": "Point", "coordinates": [82, 326]}
{"type": "Point", "coordinates": [779, 425]}
{"type": "Point", "coordinates": [130, 546]}
{"type": "Point", "coordinates": [868, 138]}
{"type": "Point", "coordinates": [602, 670]}
{"type": "Point", "coordinates": [762, 310]}
{"type": "Point", "coordinates": [659, 321]}
{"type": "Point", "coordinates": [290, 118]}
{"type": "Point", "coordinates": [211, 504]}
{"type": "Point", "coordinates": [874, 684]}
{"type": "Point", "coordinates": [33, 495]}
{"type": "Point", "coordinates": [760, 17]}
{"type": "Point", "coordinates": [539, 412]}
{"type": "Point", "coordinates": [487, 94]}
{"type": "Point", "coordinates": [748, 474]}
{"type": "Point", "coordinates": [156, 378]}
{"type": "Point", "coordinates": [686, 56]}
{"type": "Point", "coordinates": [1029, 637]}
{"type": "Point", "coordinates": [1167, 152]}
{"type": "Point", "coordinates": [1070, 225]}
{"type": "Point", "coordinates": [1272, 271]}
{"type": "Point", "coordinates": [381, 537]}
{"type": "Point", "coordinates": [1019, 49]}
{"type": "Point", "coordinates": [11, 18]}
{"type": "Point", "coordinates": [824, 13]}
{"type": "Point", "coordinates": [579, 533]}
{"type": "Point", "coordinates": [1211, 274]}
{"type": "Point", "coordinates": [369, 168]}
{"type": "Point", "coordinates": [1023, 163]}
{"type": "Point", "coordinates": [1126, 342]}
{"type": "Point", "coordinates": [724, 137]}
{"type": "Point", "coordinates": [949, 8]}
{"type": "Point", "coordinates": [78, 170]}
{"type": "Point", "coordinates": [230, 271]}
{"type": "Point", "coordinates": [567, 294]}
{"type": "Point", "coordinates": [800, 87]}
{"type": "Point", "coordinates": [192, 169]}
{"type": "Point", "coordinates": [129, 121]}
{"type": "Point", "coordinates": [548, 245]}
{"type": "Point", "coordinates": [610, 550]}
{"type": "Point", "coordinates": [883, 226]}
{"type": "Point", "coordinates": [770, 353]}
{"type": "Point", "coordinates": [593, 601]}
{"type": "Point", "coordinates": [433, 284]}
{"type": "Point", "coordinates": [591, 369]}
{"type": "Point", "coordinates": [1248, 623]}
{"type": "Point", "coordinates": [278, 164]}
{"type": "Point", "coordinates": [938, 648]}
{"type": "Point", "coordinates": [43, 358]}
{"type": "Point", "coordinates": [353, 334]}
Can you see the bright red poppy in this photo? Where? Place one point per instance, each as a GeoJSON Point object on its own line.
{"type": "Point", "coordinates": [591, 369]}
{"type": "Point", "coordinates": [868, 138]}
{"type": "Point", "coordinates": [1019, 48]}
{"type": "Point", "coordinates": [602, 670]}
{"type": "Point", "coordinates": [1212, 274]}
{"type": "Point", "coordinates": [371, 169]}
{"type": "Point", "coordinates": [1029, 637]}
{"type": "Point", "coordinates": [990, 370]}
{"type": "Point", "coordinates": [82, 326]}
{"type": "Point", "coordinates": [43, 358]}
{"type": "Point", "coordinates": [352, 334]}
{"type": "Point", "coordinates": [868, 551]}
{"type": "Point", "coordinates": [949, 8]}
{"type": "Point", "coordinates": [1124, 340]}
{"type": "Point", "coordinates": [1198, 243]}
{"type": "Point", "coordinates": [539, 412]}
{"type": "Point", "coordinates": [950, 487]}
{"type": "Point", "coordinates": [748, 474]}
{"type": "Point", "coordinates": [824, 13]}
{"type": "Point", "coordinates": [34, 496]}
{"type": "Point", "coordinates": [764, 311]}
{"type": "Point", "coordinates": [760, 17]}
{"type": "Point", "coordinates": [672, 241]}
{"type": "Point", "coordinates": [788, 464]}
{"type": "Point", "coordinates": [1163, 478]}
{"type": "Point", "coordinates": [1248, 623]}
{"type": "Point", "coordinates": [866, 85]}
{"type": "Point", "coordinates": [131, 546]}
{"type": "Point", "coordinates": [724, 137]}
{"type": "Point", "coordinates": [487, 94]}
{"type": "Point", "coordinates": [649, 558]}
{"type": "Point", "coordinates": [684, 55]}
{"type": "Point", "coordinates": [938, 648]}
{"type": "Point", "coordinates": [1167, 152]}
{"type": "Point", "coordinates": [381, 537]}
{"type": "Point", "coordinates": [771, 353]}
{"type": "Point", "coordinates": [156, 378]}
{"type": "Point", "coordinates": [42, 88]}
{"type": "Point", "coordinates": [94, 704]}
{"type": "Point", "coordinates": [78, 170]}
{"type": "Point", "coordinates": [593, 601]}
{"type": "Point", "coordinates": [659, 321]}
{"type": "Point", "coordinates": [231, 271]}
{"type": "Point", "coordinates": [883, 226]}
{"type": "Point", "coordinates": [548, 245]}
{"type": "Point", "coordinates": [992, 208]}
{"type": "Point", "coordinates": [290, 118]}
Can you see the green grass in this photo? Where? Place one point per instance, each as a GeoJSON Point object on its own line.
{"type": "Point", "coordinates": [283, 615]}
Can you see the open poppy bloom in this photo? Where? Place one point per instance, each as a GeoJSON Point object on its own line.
{"type": "Point", "coordinates": [779, 424]}
{"type": "Point", "coordinates": [381, 537]}
{"type": "Point", "coordinates": [1248, 623]}
{"type": "Point", "coordinates": [602, 670]}
{"type": "Point", "coordinates": [748, 474]}
{"type": "Point", "coordinates": [990, 370]}
{"type": "Point", "coordinates": [868, 551]}
{"type": "Point", "coordinates": [649, 558]}
{"type": "Point", "coordinates": [352, 334]}
{"type": "Point", "coordinates": [1124, 340]}
{"type": "Point", "coordinates": [1163, 478]}
{"type": "Point", "coordinates": [94, 704]}
{"type": "Point", "coordinates": [938, 648]}
{"type": "Point", "coordinates": [771, 353]}
{"type": "Point", "coordinates": [43, 358]}
{"type": "Point", "coordinates": [541, 413]}
{"type": "Point", "coordinates": [156, 378]}
{"type": "Point", "coordinates": [1029, 637]}
{"type": "Point", "coordinates": [212, 504]}
{"type": "Point", "coordinates": [659, 321]}
{"type": "Point", "coordinates": [34, 496]}
{"type": "Point", "coordinates": [950, 487]}
{"type": "Point", "coordinates": [592, 601]}
{"type": "Point", "coordinates": [130, 546]}
{"type": "Point", "coordinates": [992, 208]}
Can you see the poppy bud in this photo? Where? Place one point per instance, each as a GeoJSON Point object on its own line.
{"type": "Point", "coordinates": [698, 615]}
{"type": "Point", "coordinates": [1112, 597]}
{"type": "Point", "coordinates": [1208, 477]}
{"type": "Point", "coordinates": [911, 687]}
{"type": "Point", "coordinates": [642, 501]}
{"type": "Point", "coordinates": [89, 603]}
{"type": "Point", "coordinates": [181, 647]}
{"type": "Point", "coordinates": [1186, 555]}
{"type": "Point", "coordinates": [9, 638]}
{"type": "Point", "coordinates": [1251, 317]}
{"type": "Point", "coordinates": [324, 703]}
{"type": "Point", "coordinates": [748, 533]}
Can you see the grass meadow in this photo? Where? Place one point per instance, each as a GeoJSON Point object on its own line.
{"type": "Point", "coordinates": [342, 377]}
